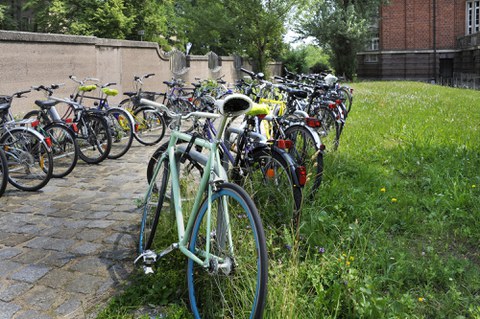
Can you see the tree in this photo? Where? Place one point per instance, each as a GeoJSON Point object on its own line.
{"type": "Point", "coordinates": [250, 28]}
{"type": "Point", "coordinates": [341, 27]}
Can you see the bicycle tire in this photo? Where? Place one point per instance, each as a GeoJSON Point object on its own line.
{"type": "Point", "coordinates": [269, 181]}
{"type": "Point", "coordinates": [122, 132]}
{"type": "Point", "coordinates": [328, 124]}
{"type": "Point", "coordinates": [3, 172]}
{"type": "Point", "coordinates": [30, 162]}
{"type": "Point", "coordinates": [239, 289]}
{"type": "Point", "coordinates": [346, 98]}
{"type": "Point", "coordinates": [307, 153]}
{"type": "Point", "coordinates": [65, 149]}
{"type": "Point", "coordinates": [149, 125]}
{"type": "Point", "coordinates": [94, 138]}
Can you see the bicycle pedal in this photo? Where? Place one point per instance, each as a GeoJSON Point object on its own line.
{"type": "Point", "coordinates": [148, 270]}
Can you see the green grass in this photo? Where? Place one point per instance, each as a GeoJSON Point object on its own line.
{"type": "Point", "coordinates": [394, 230]}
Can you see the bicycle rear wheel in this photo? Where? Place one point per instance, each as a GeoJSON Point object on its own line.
{"type": "Point", "coordinates": [307, 153]}
{"type": "Point", "coordinates": [30, 162]}
{"type": "Point", "coordinates": [3, 172]}
{"type": "Point", "coordinates": [121, 127]}
{"type": "Point", "coordinates": [64, 149]}
{"type": "Point", "coordinates": [269, 182]}
{"type": "Point", "coordinates": [94, 138]}
{"type": "Point", "coordinates": [234, 283]}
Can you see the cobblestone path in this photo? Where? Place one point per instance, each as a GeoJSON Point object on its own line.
{"type": "Point", "coordinates": [65, 249]}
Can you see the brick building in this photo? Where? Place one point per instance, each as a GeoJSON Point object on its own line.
{"type": "Point", "coordinates": [423, 40]}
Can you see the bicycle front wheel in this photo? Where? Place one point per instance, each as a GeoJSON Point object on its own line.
{"type": "Point", "coordinates": [234, 282]}
{"type": "Point", "coordinates": [149, 125]}
{"type": "Point", "coordinates": [64, 149]}
{"type": "Point", "coordinates": [94, 138]}
{"type": "Point", "coordinates": [30, 162]}
{"type": "Point", "coordinates": [3, 172]}
{"type": "Point", "coordinates": [121, 128]}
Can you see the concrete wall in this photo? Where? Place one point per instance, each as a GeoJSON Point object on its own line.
{"type": "Point", "coordinates": [29, 59]}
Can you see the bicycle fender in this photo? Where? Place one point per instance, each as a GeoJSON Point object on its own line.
{"type": "Point", "coordinates": [37, 134]}
{"type": "Point", "coordinates": [314, 133]}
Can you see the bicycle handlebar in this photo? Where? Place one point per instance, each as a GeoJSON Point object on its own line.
{"type": "Point", "coordinates": [170, 113]}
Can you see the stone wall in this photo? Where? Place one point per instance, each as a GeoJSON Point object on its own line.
{"type": "Point", "coordinates": [28, 59]}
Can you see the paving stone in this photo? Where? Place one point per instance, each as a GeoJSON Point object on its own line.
{"type": "Point", "coordinates": [100, 223]}
{"type": "Point", "coordinates": [7, 310]}
{"type": "Point", "coordinates": [92, 265]}
{"type": "Point", "coordinates": [7, 266]}
{"type": "Point", "coordinates": [30, 314]}
{"type": "Point", "coordinates": [90, 234]}
{"type": "Point", "coordinates": [58, 278]}
{"type": "Point", "coordinates": [16, 239]}
{"type": "Point", "coordinates": [85, 283]}
{"type": "Point", "coordinates": [9, 252]}
{"type": "Point", "coordinates": [69, 307]}
{"type": "Point", "coordinates": [31, 256]}
{"type": "Point", "coordinates": [14, 289]}
{"type": "Point", "coordinates": [30, 273]}
{"type": "Point", "coordinates": [86, 248]}
{"type": "Point", "coordinates": [58, 258]}
{"type": "Point", "coordinates": [50, 243]}
{"type": "Point", "coordinates": [43, 298]}
{"type": "Point", "coordinates": [121, 240]}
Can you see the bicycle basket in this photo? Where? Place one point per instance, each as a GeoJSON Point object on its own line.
{"type": "Point", "coordinates": [148, 96]}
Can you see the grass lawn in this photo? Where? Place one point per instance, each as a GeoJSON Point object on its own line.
{"type": "Point", "coordinates": [394, 231]}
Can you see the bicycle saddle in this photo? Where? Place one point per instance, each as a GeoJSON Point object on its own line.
{"type": "Point", "coordinates": [234, 105]}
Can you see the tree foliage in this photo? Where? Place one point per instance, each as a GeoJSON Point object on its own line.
{"type": "Point", "coordinates": [340, 26]}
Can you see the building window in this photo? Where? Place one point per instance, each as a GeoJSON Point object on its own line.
{"type": "Point", "coordinates": [374, 43]}
{"type": "Point", "coordinates": [371, 58]}
{"type": "Point", "coordinates": [473, 16]}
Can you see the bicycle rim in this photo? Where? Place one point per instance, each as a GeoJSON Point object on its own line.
{"type": "Point", "coordinates": [30, 164]}
{"type": "Point", "coordinates": [121, 129]}
{"type": "Point", "coordinates": [306, 153]}
{"type": "Point", "coordinates": [270, 185]}
{"type": "Point", "coordinates": [149, 126]}
{"type": "Point", "coordinates": [64, 150]}
{"type": "Point", "coordinates": [94, 139]}
{"type": "Point", "coordinates": [234, 284]}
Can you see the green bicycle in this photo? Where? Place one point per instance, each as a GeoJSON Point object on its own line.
{"type": "Point", "coordinates": [223, 239]}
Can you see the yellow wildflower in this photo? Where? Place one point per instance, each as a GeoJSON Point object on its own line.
{"type": "Point", "coordinates": [421, 299]}
{"type": "Point", "coordinates": [394, 200]}
{"type": "Point", "coordinates": [383, 189]}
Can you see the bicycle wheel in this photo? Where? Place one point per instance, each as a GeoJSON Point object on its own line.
{"type": "Point", "coordinates": [269, 182]}
{"type": "Point", "coordinates": [308, 154]}
{"type": "Point", "coordinates": [64, 149]}
{"type": "Point", "coordinates": [121, 128]}
{"type": "Point", "coordinates": [183, 107]}
{"type": "Point", "coordinates": [159, 200]}
{"type": "Point", "coordinates": [152, 207]}
{"type": "Point", "coordinates": [30, 162]}
{"type": "Point", "coordinates": [330, 129]}
{"type": "Point", "coordinates": [149, 125]}
{"type": "Point", "coordinates": [346, 98]}
{"type": "Point", "coordinates": [94, 139]}
{"type": "Point", "coordinates": [3, 172]}
{"type": "Point", "coordinates": [234, 283]}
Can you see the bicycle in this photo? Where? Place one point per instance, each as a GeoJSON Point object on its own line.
{"type": "Point", "coordinates": [120, 121]}
{"type": "Point", "coordinates": [223, 239]}
{"type": "Point", "coordinates": [28, 153]}
{"type": "Point", "coordinates": [149, 127]}
{"type": "Point", "coordinates": [263, 168]}
{"type": "Point", "coordinates": [3, 172]}
{"type": "Point", "coordinates": [65, 148]}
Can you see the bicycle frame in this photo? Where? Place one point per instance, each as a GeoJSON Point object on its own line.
{"type": "Point", "coordinates": [213, 173]}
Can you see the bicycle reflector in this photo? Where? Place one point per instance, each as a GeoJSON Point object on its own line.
{"type": "Point", "coordinates": [302, 175]}
{"type": "Point", "coordinates": [48, 140]}
{"type": "Point", "coordinates": [270, 173]}
{"type": "Point", "coordinates": [332, 106]}
{"type": "Point", "coordinates": [313, 122]}
{"type": "Point", "coordinates": [284, 144]}
{"type": "Point", "coordinates": [70, 123]}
